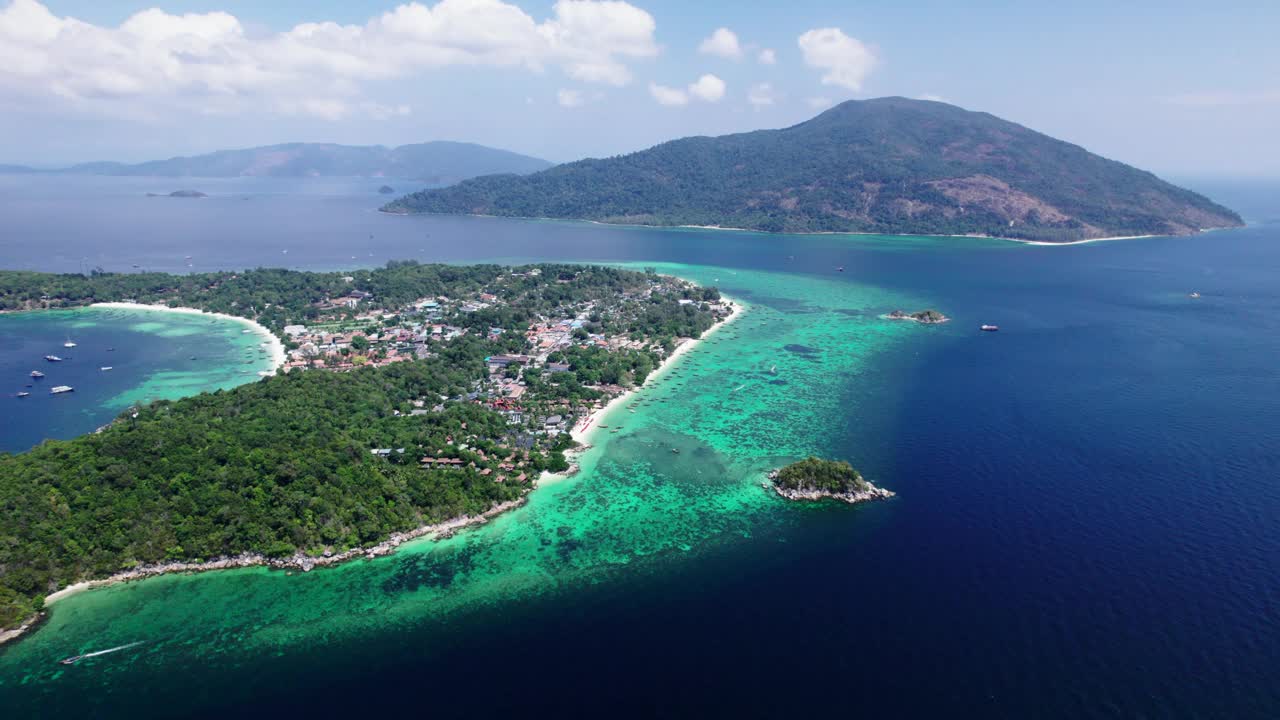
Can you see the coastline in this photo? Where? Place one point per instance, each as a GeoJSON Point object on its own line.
{"type": "Point", "coordinates": [305, 563]}
{"type": "Point", "coordinates": [583, 430]}
{"type": "Point", "coordinates": [274, 345]}
{"type": "Point", "coordinates": [976, 236]}
{"type": "Point", "coordinates": [298, 561]}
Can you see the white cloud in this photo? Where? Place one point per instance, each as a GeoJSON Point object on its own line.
{"type": "Point", "coordinates": [668, 95]}
{"type": "Point", "coordinates": [708, 88]}
{"type": "Point", "coordinates": [722, 43]}
{"type": "Point", "coordinates": [767, 57]}
{"type": "Point", "coordinates": [818, 103]}
{"type": "Point", "coordinates": [760, 95]}
{"type": "Point", "coordinates": [209, 63]}
{"type": "Point", "coordinates": [569, 98]}
{"type": "Point", "coordinates": [1223, 99]}
{"type": "Point", "coordinates": [845, 60]}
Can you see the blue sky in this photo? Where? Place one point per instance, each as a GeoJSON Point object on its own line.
{"type": "Point", "coordinates": [1184, 89]}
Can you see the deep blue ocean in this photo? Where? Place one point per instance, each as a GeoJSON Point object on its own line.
{"type": "Point", "coordinates": [1090, 523]}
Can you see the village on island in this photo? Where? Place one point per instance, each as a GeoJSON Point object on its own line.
{"type": "Point", "coordinates": [356, 330]}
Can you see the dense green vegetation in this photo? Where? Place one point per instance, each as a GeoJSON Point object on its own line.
{"type": "Point", "coordinates": [285, 465]}
{"type": "Point", "coordinates": [890, 165]}
{"type": "Point", "coordinates": [433, 162]}
{"type": "Point", "coordinates": [825, 475]}
{"type": "Point", "coordinates": [277, 297]}
{"type": "Point", "coordinates": [271, 467]}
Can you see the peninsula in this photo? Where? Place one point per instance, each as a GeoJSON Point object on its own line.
{"type": "Point", "coordinates": [889, 166]}
{"type": "Point", "coordinates": [418, 398]}
{"type": "Point", "coordinates": [815, 479]}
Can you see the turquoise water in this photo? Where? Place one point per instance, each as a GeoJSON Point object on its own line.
{"type": "Point", "coordinates": [152, 355]}
{"type": "Point", "coordinates": [750, 397]}
{"type": "Point", "coordinates": [1084, 524]}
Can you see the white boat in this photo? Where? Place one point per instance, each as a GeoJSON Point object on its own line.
{"type": "Point", "coordinates": [990, 328]}
{"type": "Point", "coordinates": [37, 374]}
{"type": "Point", "coordinates": [59, 389]}
{"type": "Point", "coordinates": [105, 368]}
{"type": "Point", "coordinates": [24, 393]}
{"type": "Point", "coordinates": [53, 358]}
{"type": "Point", "coordinates": [68, 344]}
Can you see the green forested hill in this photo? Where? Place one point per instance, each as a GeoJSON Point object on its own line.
{"type": "Point", "coordinates": [889, 165]}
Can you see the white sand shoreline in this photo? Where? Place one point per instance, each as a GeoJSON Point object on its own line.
{"type": "Point", "coordinates": [975, 236]}
{"type": "Point", "coordinates": [583, 431]}
{"type": "Point", "coordinates": [275, 347]}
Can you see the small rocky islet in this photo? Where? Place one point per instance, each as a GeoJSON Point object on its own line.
{"type": "Point", "coordinates": [926, 317]}
{"type": "Point", "coordinates": [817, 479]}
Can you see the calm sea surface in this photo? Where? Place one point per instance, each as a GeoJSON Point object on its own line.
{"type": "Point", "coordinates": [1086, 521]}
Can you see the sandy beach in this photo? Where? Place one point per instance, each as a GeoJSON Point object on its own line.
{"type": "Point", "coordinates": [820, 232]}
{"type": "Point", "coordinates": [583, 430]}
{"type": "Point", "coordinates": [274, 346]}
{"type": "Point", "coordinates": [1079, 242]}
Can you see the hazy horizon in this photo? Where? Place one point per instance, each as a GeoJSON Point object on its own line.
{"type": "Point", "coordinates": [1183, 90]}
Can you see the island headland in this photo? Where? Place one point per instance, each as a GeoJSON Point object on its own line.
{"type": "Point", "coordinates": [418, 399]}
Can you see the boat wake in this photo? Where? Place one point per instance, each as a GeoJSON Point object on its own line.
{"type": "Point", "coordinates": [77, 658]}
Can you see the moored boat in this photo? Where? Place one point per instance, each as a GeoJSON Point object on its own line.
{"type": "Point", "coordinates": [53, 358]}
{"type": "Point", "coordinates": [59, 389]}
{"type": "Point", "coordinates": [37, 374]}
{"type": "Point", "coordinates": [24, 393]}
{"type": "Point", "coordinates": [990, 328]}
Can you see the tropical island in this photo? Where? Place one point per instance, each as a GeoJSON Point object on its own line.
{"type": "Point", "coordinates": [418, 398]}
{"type": "Point", "coordinates": [817, 479]}
{"type": "Point", "coordinates": [926, 317]}
{"type": "Point", "coordinates": [888, 166]}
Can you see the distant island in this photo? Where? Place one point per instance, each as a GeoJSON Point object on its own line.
{"type": "Point", "coordinates": [817, 479]}
{"type": "Point", "coordinates": [889, 165]}
{"type": "Point", "coordinates": [386, 189]}
{"type": "Point", "coordinates": [927, 317]}
{"type": "Point", "coordinates": [433, 163]}
{"type": "Point", "coordinates": [187, 194]}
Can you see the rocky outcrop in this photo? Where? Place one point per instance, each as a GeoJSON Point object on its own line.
{"type": "Point", "coordinates": [870, 492]}
{"type": "Point", "coordinates": [927, 317]}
